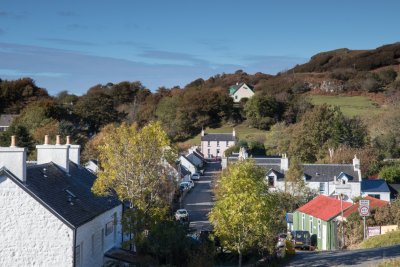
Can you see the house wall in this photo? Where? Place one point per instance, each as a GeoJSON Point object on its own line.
{"type": "Point", "coordinates": [209, 149]}
{"type": "Point", "coordinates": [383, 195]}
{"type": "Point", "coordinates": [242, 92]}
{"type": "Point", "coordinates": [188, 165]}
{"type": "Point", "coordinates": [330, 234]}
{"type": "Point", "coordinates": [198, 162]}
{"type": "Point", "coordinates": [30, 234]}
{"type": "Point", "coordinates": [93, 241]}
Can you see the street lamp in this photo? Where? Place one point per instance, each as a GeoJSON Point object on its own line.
{"type": "Point", "coordinates": [341, 207]}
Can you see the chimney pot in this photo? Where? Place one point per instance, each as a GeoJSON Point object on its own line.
{"type": "Point", "coordinates": [46, 139]}
{"type": "Point", "coordinates": [58, 140]}
{"type": "Point", "coordinates": [13, 142]}
{"type": "Point", "coordinates": [68, 140]}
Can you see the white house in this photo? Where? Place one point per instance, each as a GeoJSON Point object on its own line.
{"type": "Point", "coordinates": [214, 145]}
{"type": "Point", "coordinates": [48, 215]}
{"type": "Point", "coordinates": [240, 91]}
{"type": "Point", "coordinates": [187, 164]}
{"type": "Point", "coordinates": [195, 157]}
{"type": "Point", "coordinates": [378, 189]}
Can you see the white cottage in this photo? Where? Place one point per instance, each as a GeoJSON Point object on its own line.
{"type": "Point", "coordinates": [214, 145]}
{"type": "Point", "coordinates": [240, 91]}
{"type": "Point", "coordinates": [48, 215]}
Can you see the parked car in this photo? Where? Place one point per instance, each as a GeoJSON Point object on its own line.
{"type": "Point", "coordinates": [184, 186]}
{"type": "Point", "coordinates": [301, 239]}
{"type": "Point", "coordinates": [281, 240]}
{"type": "Point", "coordinates": [181, 214]}
{"type": "Point", "coordinates": [191, 183]}
{"type": "Point", "coordinates": [196, 176]}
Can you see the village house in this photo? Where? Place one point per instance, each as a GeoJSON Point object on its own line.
{"type": "Point", "coordinates": [377, 189]}
{"type": "Point", "coordinates": [240, 91]}
{"type": "Point", "coordinates": [319, 218]}
{"type": "Point", "coordinates": [325, 179]}
{"type": "Point", "coordinates": [213, 145]}
{"type": "Point", "coordinates": [6, 120]}
{"type": "Point", "coordinates": [49, 216]}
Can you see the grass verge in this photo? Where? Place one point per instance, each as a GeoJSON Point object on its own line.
{"type": "Point", "coordinates": [388, 239]}
{"type": "Point", "coordinates": [390, 263]}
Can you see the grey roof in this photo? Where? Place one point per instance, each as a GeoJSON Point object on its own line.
{"type": "Point", "coordinates": [58, 190]}
{"type": "Point", "coordinates": [378, 185]}
{"type": "Point", "coordinates": [185, 171]}
{"type": "Point", "coordinates": [260, 161]}
{"type": "Point", "coordinates": [327, 172]}
{"type": "Point", "coordinates": [218, 137]}
{"type": "Point", "coordinates": [6, 119]}
{"type": "Point", "coordinates": [394, 190]}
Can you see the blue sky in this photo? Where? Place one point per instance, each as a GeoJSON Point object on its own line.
{"type": "Point", "coordinates": [75, 44]}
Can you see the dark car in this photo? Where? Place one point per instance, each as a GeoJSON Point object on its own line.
{"type": "Point", "coordinates": [301, 239]}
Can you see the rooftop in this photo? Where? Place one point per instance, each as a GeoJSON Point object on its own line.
{"type": "Point", "coordinates": [373, 203]}
{"type": "Point", "coordinates": [218, 137]}
{"type": "Point", "coordinates": [378, 185]}
{"type": "Point", "coordinates": [324, 207]}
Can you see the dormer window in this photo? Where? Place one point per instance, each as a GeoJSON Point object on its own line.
{"type": "Point", "coordinates": [343, 181]}
{"type": "Point", "coordinates": [271, 181]}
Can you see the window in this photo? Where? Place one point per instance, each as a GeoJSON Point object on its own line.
{"type": "Point", "coordinates": [208, 143]}
{"type": "Point", "coordinates": [321, 187]}
{"type": "Point", "coordinates": [343, 181]}
{"type": "Point", "coordinates": [311, 224]}
{"type": "Point", "coordinates": [217, 152]}
{"type": "Point", "coordinates": [109, 228]}
{"type": "Point", "coordinates": [377, 196]}
{"type": "Point", "coordinates": [319, 228]}
{"type": "Point", "coordinates": [271, 181]}
{"type": "Point", "coordinates": [302, 221]}
{"type": "Point", "coordinates": [227, 143]}
{"type": "Point", "coordinates": [208, 152]}
{"type": "Point", "coordinates": [236, 97]}
{"type": "Point", "coordinates": [79, 255]}
{"type": "Point", "coordinates": [217, 143]}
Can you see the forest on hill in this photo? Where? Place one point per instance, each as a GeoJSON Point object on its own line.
{"type": "Point", "coordinates": [280, 107]}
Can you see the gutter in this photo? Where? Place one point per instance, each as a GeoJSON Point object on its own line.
{"type": "Point", "coordinates": [73, 248]}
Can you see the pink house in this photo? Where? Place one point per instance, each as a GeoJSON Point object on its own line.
{"type": "Point", "coordinates": [214, 145]}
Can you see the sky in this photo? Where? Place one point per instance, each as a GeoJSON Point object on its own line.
{"type": "Point", "coordinates": [75, 44]}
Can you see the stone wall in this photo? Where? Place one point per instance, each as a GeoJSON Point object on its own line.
{"type": "Point", "coordinates": [30, 234]}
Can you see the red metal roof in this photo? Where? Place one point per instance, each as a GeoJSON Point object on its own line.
{"type": "Point", "coordinates": [324, 207]}
{"type": "Point", "coordinates": [373, 203]}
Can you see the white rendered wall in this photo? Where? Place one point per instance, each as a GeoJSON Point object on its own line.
{"type": "Point", "coordinates": [14, 159]}
{"type": "Point", "coordinates": [30, 235]}
{"type": "Point", "coordinates": [384, 195]}
{"type": "Point", "coordinates": [188, 165]}
{"type": "Point", "coordinates": [212, 148]}
{"type": "Point", "coordinates": [58, 154]}
{"type": "Point", "coordinates": [242, 92]}
{"type": "Point", "coordinates": [93, 256]}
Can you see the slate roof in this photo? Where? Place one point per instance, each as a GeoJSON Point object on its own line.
{"type": "Point", "coordinates": [373, 203]}
{"type": "Point", "coordinates": [218, 137]}
{"type": "Point", "coordinates": [327, 172]}
{"type": "Point", "coordinates": [378, 185]}
{"type": "Point", "coordinates": [50, 184]}
{"type": "Point", "coordinates": [394, 190]}
{"type": "Point", "coordinates": [234, 88]}
{"type": "Point", "coordinates": [6, 119]}
{"type": "Point", "coordinates": [324, 207]}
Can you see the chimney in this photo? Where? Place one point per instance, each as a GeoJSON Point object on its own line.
{"type": "Point", "coordinates": [356, 163]}
{"type": "Point", "coordinates": [58, 154]}
{"type": "Point", "coordinates": [74, 151]}
{"type": "Point", "coordinates": [284, 163]}
{"type": "Point", "coordinates": [202, 131]}
{"type": "Point", "coordinates": [233, 132]}
{"type": "Point", "coordinates": [14, 159]}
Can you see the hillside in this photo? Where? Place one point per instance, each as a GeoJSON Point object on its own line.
{"type": "Point", "coordinates": [360, 60]}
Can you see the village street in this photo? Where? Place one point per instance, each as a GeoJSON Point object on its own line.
{"type": "Point", "coordinates": [198, 202]}
{"type": "Point", "coordinates": [364, 257]}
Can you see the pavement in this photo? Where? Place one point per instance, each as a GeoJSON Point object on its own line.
{"type": "Point", "coordinates": [198, 202]}
{"type": "Point", "coordinates": [362, 257]}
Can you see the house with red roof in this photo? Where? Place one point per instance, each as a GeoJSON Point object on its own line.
{"type": "Point", "coordinates": [373, 203]}
{"type": "Point", "coordinates": [319, 218]}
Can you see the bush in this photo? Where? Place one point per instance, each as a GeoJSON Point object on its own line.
{"type": "Point", "coordinates": [391, 173]}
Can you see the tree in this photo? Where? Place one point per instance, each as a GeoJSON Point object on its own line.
{"type": "Point", "coordinates": [391, 173]}
{"type": "Point", "coordinates": [263, 111]}
{"type": "Point", "coordinates": [133, 166]}
{"type": "Point", "coordinates": [240, 214]}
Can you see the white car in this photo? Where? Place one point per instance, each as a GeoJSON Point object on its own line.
{"type": "Point", "coordinates": [188, 184]}
{"type": "Point", "coordinates": [191, 183]}
{"type": "Point", "coordinates": [181, 214]}
{"type": "Point", "coordinates": [196, 176]}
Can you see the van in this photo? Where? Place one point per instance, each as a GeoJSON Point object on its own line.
{"type": "Point", "coordinates": [301, 239]}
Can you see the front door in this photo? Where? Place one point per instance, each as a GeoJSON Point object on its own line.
{"type": "Point", "coordinates": [324, 236]}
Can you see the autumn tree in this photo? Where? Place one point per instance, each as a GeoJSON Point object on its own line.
{"type": "Point", "coordinates": [133, 166]}
{"type": "Point", "coordinates": [263, 111]}
{"type": "Point", "coordinates": [241, 211]}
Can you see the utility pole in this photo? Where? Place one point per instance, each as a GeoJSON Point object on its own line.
{"type": "Point", "coordinates": [341, 207]}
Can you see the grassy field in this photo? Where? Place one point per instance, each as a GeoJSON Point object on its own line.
{"type": "Point", "coordinates": [242, 131]}
{"type": "Point", "coordinates": [350, 105]}
{"type": "Point", "coordinates": [389, 239]}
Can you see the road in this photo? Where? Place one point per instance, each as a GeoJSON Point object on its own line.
{"type": "Point", "coordinates": [365, 257]}
{"type": "Point", "coordinates": [198, 201]}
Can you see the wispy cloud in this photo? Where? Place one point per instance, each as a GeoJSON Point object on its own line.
{"type": "Point", "coordinates": [67, 42]}
{"type": "Point", "coordinates": [140, 45]}
{"type": "Point", "coordinates": [173, 56]}
{"type": "Point", "coordinates": [214, 45]}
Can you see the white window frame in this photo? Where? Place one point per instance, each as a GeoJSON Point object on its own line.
{"type": "Point", "coordinates": [217, 143]}
{"type": "Point", "coordinates": [303, 219]}
{"type": "Point", "coordinates": [311, 222]}
{"type": "Point", "coordinates": [319, 228]}
{"type": "Point", "coordinates": [321, 187]}
{"type": "Point", "coordinates": [109, 229]}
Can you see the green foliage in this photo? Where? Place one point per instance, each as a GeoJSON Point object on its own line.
{"type": "Point", "coordinates": [24, 139]}
{"type": "Point", "coordinates": [390, 263]}
{"type": "Point", "coordinates": [241, 212]}
{"type": "Point", "coordinates": [263, 111]}
{"type": "Point", "coordinates": [253, 148]}
{"type": "Point", "coordinates": [388, 239]}
{"type": "Point", "coordinates": [391, 173]}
